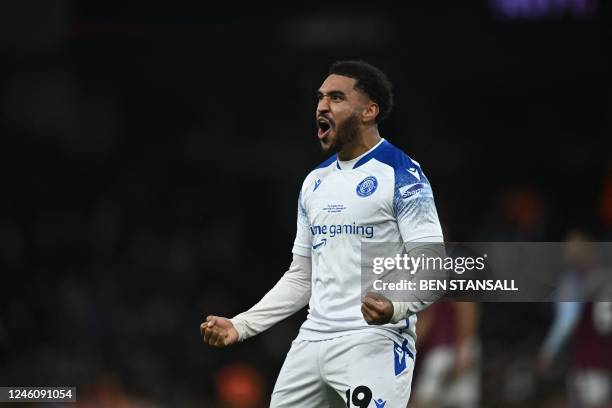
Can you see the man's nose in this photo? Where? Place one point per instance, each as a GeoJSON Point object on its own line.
{"type": "Point", "coordinates": [323, 106]}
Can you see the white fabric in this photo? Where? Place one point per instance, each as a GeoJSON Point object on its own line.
{"type": "Point", "coordinates": [290, 294]}
{"type": "Point", "coordinates": [403, 310]}
{"type": "Point", "coordinates": [338, 211]}
{"type": "Point", "coordinates": [319, 373]}
{"type": "Point", "coordinates": [333, 221]}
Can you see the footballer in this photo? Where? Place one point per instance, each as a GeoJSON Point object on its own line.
{"type": "Point", "coordinates": [352, 350]}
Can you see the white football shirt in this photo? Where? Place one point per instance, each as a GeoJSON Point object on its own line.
{"type": "Point", "coordinates": [380, 196]}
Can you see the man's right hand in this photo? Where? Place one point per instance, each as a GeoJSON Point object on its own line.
{"type": "Point", "coordinates": [218, 331]}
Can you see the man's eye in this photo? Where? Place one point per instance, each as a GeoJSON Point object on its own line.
{"type": "Point", "coordinates": [336, 98]}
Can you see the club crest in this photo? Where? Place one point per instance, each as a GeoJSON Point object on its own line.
{"type": "Point", "coordinates": [367, 186]}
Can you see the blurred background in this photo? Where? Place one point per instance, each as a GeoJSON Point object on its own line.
{"type": "Point", "coordinates": [151, 158]}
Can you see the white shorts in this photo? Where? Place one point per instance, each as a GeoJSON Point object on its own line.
{"type": "Point", "coordinates": [367, 368]}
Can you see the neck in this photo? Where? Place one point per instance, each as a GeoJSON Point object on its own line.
{"type": "Point", "coordinates": [367, 139]}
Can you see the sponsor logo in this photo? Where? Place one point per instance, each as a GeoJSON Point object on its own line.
{"type": "Point", "coordinates": [412, 190]}
{"type": "Point", "coordinates": [343, 229]}
{"type": "Point", "coordinates": [320, 244]}
{"type": "Point", "coordinates": [316, 185]}
{"type": "Point", "coordinates": [399, 356]}
{"type": "Point", "coordinates": [414, 172]}
{"type": "Point", "coordinates": [367, 186]}
{"type": "Point", "coordinates": [380, 403]}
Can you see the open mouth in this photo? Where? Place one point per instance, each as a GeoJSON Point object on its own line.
{"type": "Point", "coordinates": [324, 127]}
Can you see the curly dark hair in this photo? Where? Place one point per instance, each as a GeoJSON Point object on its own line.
{"type": "Point", "coordinates": [370, 80]}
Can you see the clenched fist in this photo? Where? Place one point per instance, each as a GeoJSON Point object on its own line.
{"type": "Point", "coordinates": [376, 308]}
{"type": "Point", "coordinates": [218, 331]}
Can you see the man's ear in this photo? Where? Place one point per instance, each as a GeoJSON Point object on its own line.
{"type": "Point", "coordinates": [370, 112]}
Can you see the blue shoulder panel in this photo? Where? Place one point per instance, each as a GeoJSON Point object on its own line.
{"type": "Point", "coordinates": [406, 171]}
{"type": "Point", "coordinates": [409, 178]}
{"type": "Point", "coordinates": [327, 162]}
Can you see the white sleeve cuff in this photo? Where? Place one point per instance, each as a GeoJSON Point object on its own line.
{"type": "Point", "coordinates": [302, 250]}
{"type": "Point", "coordinates": [403, 310]}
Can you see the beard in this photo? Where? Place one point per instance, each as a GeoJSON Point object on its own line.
{"type": "Point", "coordinates": [346, 133]}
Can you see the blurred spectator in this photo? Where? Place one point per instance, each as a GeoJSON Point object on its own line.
{"type": "Point", "coordinates": [587, 322]}
{"type": "Point", "coordinates": [448, 363]}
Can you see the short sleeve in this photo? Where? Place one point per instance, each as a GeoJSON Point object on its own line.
{"type": "Point", "coordinates": [303, 237]}
{"type": "Point", "coordinates": [414, 206]}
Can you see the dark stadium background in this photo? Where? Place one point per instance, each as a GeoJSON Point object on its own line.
{"type": "Point", "coordinates": [151, 158]}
